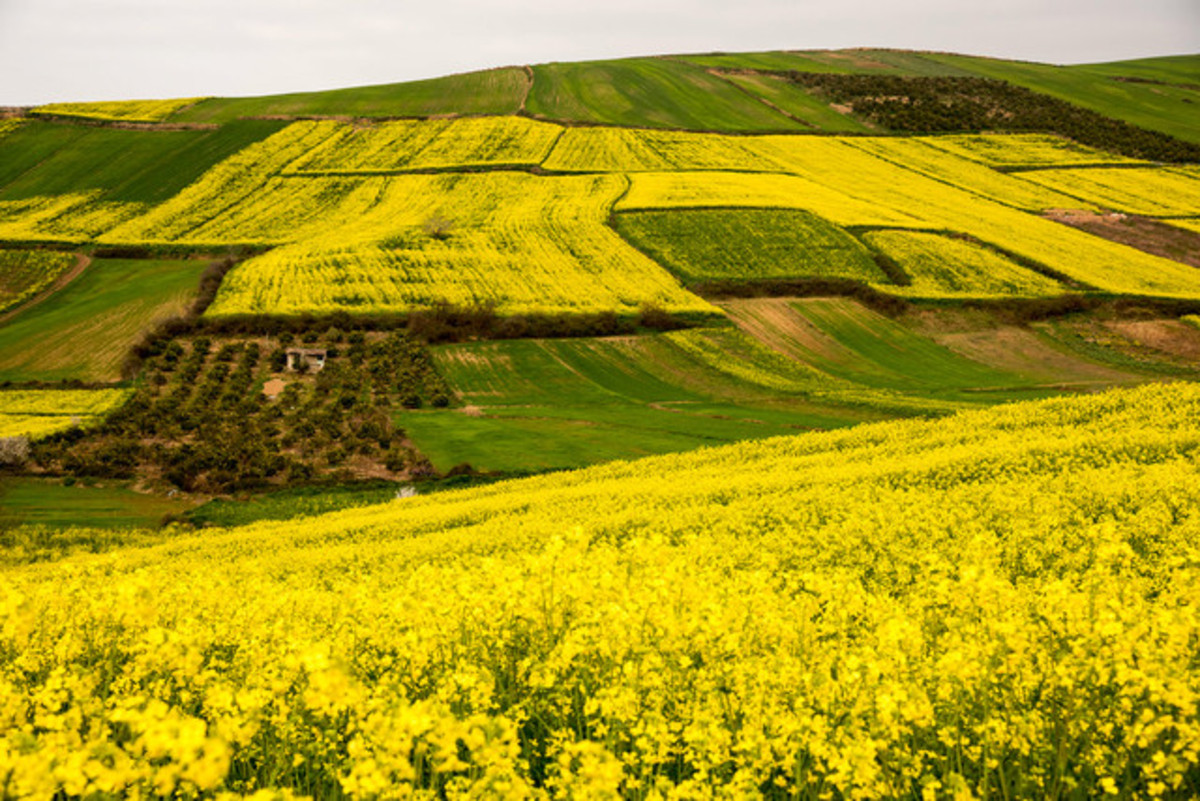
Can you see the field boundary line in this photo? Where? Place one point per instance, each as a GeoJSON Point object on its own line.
{"type": "Point", "coordinates": [82, 262]}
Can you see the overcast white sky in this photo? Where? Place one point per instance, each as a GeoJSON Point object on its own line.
{"type": "Point", "coordinates": [111, 49]}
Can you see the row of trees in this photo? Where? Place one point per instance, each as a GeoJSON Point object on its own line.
{"type": "Point", "coordinates": [199, 420]}
{"type": "Point", "coordinates": [923, 105]}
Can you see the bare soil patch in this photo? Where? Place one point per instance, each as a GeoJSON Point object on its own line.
{"type": "Point", "coordinates": [273, 387]}
{"type": "Point", "coordinates": [1022, 351]}
{"type": "Point", "coordinates": [1173, 338]}
{"type": "Point", "coordinates": [1143, 233]}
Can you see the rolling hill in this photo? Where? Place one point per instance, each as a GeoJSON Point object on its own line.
{"type": "Point", "coordinates": [802, 424]}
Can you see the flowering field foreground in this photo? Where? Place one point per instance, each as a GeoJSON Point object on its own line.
{"type": "Point", "coordinates": [1001, 603]}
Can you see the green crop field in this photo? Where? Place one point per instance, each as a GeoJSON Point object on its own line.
{"type": "Point", "coordinates": [497, 91]}
{"type": "Point", "coordinates": [715, 244]}
{"type": "Point", "coordinates": [798, 104]}
{"type": "Point", "coordinates": [85, 330]}
{"type": "Point", "coordinates": [649, 92]}
{"type": "Point", "coordinates": [855, 344]}
{"type": "Point", "coordinates": [125, 166]}
{"type": "Point", "coordinates": [539, 404]}
{"type": "Point", "coordinates": [50, 504]}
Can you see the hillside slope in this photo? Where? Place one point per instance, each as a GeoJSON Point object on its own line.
{"type": "Point", "coordinates": [1004, 599]}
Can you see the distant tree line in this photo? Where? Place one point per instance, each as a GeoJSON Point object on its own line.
{"type": "Point", "coordinates": [924, 105]}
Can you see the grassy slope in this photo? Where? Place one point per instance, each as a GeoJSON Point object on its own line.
{"type": "Point", "coordinates": [134, 166]}
{"type": "Point", "coordinates": [1168, 69]}
{"type": "Point", "coordinates": [85, 330]}
{"type": "Point", "coordinates": [847, 340]}
{"type": "Point", "coordinates": [40, 502]}
{"type": "Point", "coordinates": [497, 91]}
{"type": "Point", "coordinates": [797, 103]}
{"type": "Point", "coordinates": [651, 92]}
{"type": "Point", "coordinates": [566, 403]}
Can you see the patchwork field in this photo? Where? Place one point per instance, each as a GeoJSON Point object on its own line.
{"type": "Point", "coordinates": [400, 215]}
{"type": "Point", "coordinates": [847, 375]}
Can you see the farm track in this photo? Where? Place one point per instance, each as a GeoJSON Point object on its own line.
{"type": "Point", "coordinates": [81, 263]}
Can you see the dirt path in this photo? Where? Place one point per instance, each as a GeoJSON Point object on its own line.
{"type": "Point", "coordinates": [528, 87]}
{"type": "Point", "coordinates": [81, 264]}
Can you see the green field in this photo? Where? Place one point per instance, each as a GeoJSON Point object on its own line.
{"type": "Point", "coordinates": [545, 404]}
{"type": "Point", "coordinates": [49, 503]}
{"type": "Point", "coordinates": [650, 92]}
{"type": "Point", "coordinates": [1165, 69]}
{"type": "Point", "coordinates": [497, 91]}
{"type": "Point", "coordinates": [797, 103]}
{"type": "Point", "coordinates": [85, 330]}
{"type": "Point", "coordinates": [853, 343]}
{"type": "Point", "coordinates": [134, 166]}
{"type": "Point", "coordinates": [747, 244]}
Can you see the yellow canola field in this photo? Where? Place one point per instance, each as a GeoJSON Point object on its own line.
{"type": "Point", "coordinates": [942, 266]}
{"type": "Point", "coordinates": [1085, 258]}
{"type": "Point", "coordinates": [26, 273]}
{"type": "Point", "coordinates": [77, 217]}
{"type": "Point", "coordinates": [1000, 603]}
{"type": "Point", "coordinates": [37, 413]}
{"type": "Point", "coordinates": [922, 156]}
{"type": "Point", "coordinates": [642, 150]}
{"type": "Point", "coordinates": [526, 244]}
{"type": "Point", "coordinates": [323, 188]}
{"type": "Point", "coordinates": [1148, 191]}
{"type": "Point", "coordinates": [682, 190]}
{"type": "Point", "coordinates": [1189, 224]}
{"type": "Point", "coordinates": [1023, 150]}
{"type": "Point", "coordinates": [433, 144]}
{"type": "Point", "coordinates": [120, 110]}
{"type": "Point", "coordinates": [237, 181]}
